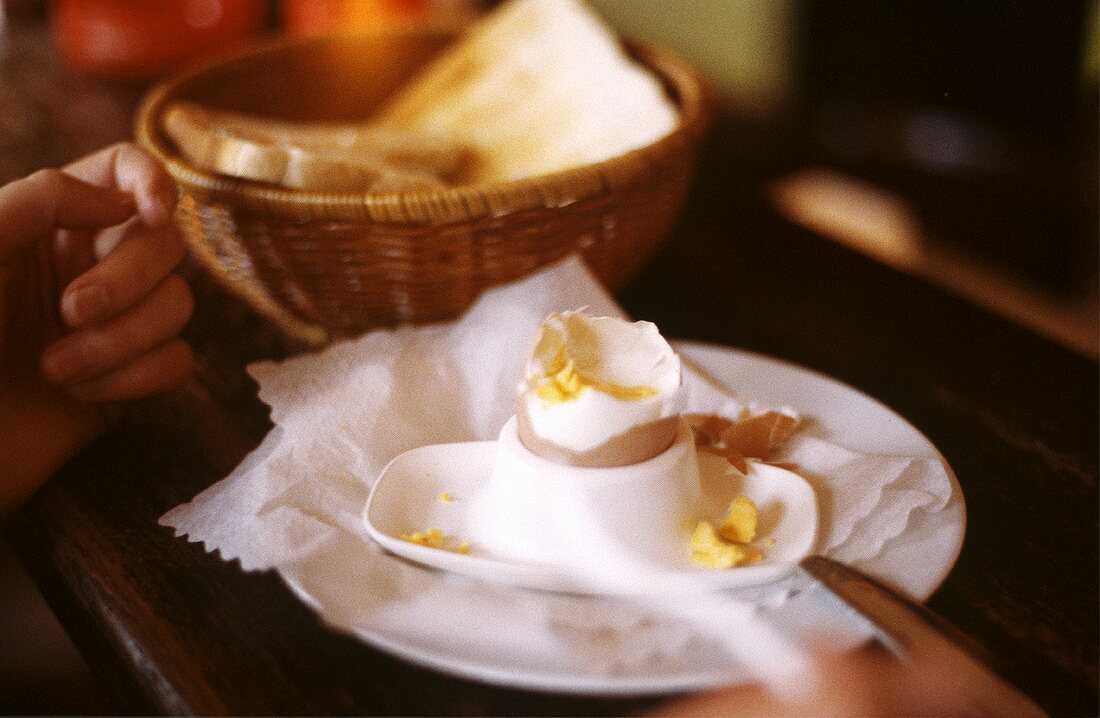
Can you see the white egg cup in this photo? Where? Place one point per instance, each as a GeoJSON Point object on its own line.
{"type": "Point", "coordinates": [535, 523]}
{"type": "Point", "coordinates": [594, 520]}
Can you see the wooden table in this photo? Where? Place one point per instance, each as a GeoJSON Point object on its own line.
{"type": "Point", "coordinates": [173, 629]}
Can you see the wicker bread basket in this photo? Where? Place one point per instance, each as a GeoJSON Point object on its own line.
{"type": "Point", "coordinates": [324, 266]}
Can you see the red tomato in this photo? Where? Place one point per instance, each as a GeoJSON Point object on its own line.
{"type": "Point", "coordinates": [139, 39]}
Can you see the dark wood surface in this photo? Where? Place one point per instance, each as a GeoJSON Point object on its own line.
{"type": "Point", "coordinates": [173, 629]}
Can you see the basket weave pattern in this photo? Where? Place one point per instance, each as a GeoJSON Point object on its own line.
{"type": "Point", "coordinates": [326, 266]}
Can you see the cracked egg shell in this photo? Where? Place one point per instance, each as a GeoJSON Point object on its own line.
{"type": "Point", "coordinates": [598, 391]}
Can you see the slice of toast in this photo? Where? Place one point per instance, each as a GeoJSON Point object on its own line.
{"type": "Point", "coordinates": [536, 86]}
{"type": "Point", "coordinates": [317, 157]}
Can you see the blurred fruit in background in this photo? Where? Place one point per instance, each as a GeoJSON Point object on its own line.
{"type": "Point", "coordinates": [311, 17]}
{"type": "Point", "coordinates": [140, 40]}
{"type": "Point", "coordinates": [308, 17]}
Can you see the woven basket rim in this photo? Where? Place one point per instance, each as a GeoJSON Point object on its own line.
{"type": "Point", "coordinates": [435, 206]}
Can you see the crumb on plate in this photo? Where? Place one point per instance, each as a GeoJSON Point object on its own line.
{"type": "Point", "coordinates": [728, 545]}
{"type": "Point", "coordinates": [434, 538]}
{"type": "Point", "coordinates": [739, 526]}
{"type": "Point", "coordinates": [710, 551]}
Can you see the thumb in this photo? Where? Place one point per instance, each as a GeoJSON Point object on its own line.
{"type": "Point", "coordinates": [32, 207]}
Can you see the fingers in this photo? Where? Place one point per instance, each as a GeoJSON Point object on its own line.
{"type": "Point", "coordinates": [868, 682]}
{"type": "Point", "coordinates": [100, 190]}
{"type": "Point", "coordinates": [32, 207]}
{"type": "Point", "coordinates": [138, 259]}
{"type": "Point", "coordinates": [129, 168]}
{"type": "Point", "coordinates": [161, 369]}
{"type": "Point", "coordinates": [73, 254]}
{"type": "Point", "coordinates": [101, 349]}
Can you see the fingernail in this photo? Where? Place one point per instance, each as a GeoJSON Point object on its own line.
{"type": "Point", "coordinates": [62, 363]}
{"type": "Point", "coordinates": [85, 304]}
{"type": "Point", "coordinates": [161, 206]}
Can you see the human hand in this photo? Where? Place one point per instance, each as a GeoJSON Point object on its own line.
{"type": "Point", "coordinates": [869, 682]}
{"type": "Point", "coordinates": [90, 308]}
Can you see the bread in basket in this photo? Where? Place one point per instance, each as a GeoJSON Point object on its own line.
{"type": "Point", "coordinates": [324, 265]}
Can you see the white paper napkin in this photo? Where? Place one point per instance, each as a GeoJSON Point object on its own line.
{"type": "Point", "coordinates": [295, 503]}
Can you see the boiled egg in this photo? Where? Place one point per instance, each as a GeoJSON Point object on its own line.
{"type": "Point", "coordinates": [598, 391]}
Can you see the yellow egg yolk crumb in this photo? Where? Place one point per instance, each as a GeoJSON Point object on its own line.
{"type": "Point", "coordinates": [727, 546]}
{"type": "Point", "coordinates": [445, 497]}
{"type": "Point", "coordinates": [739, 526]}
{"type": "Point", "coordinates": [561, 385]}
{"type": "Point", "coordinates": [708, 550]}
{"type": "Point", "coordinates": [563, 382]}
{"type": "Point", "coordinates": [432, 538]}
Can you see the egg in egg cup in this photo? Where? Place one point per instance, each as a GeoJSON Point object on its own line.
{"type": "Point", "coordinates": [595, 485]}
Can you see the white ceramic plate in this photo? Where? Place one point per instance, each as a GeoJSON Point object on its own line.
{"type": "Point", "coordinates": [620, 646]}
